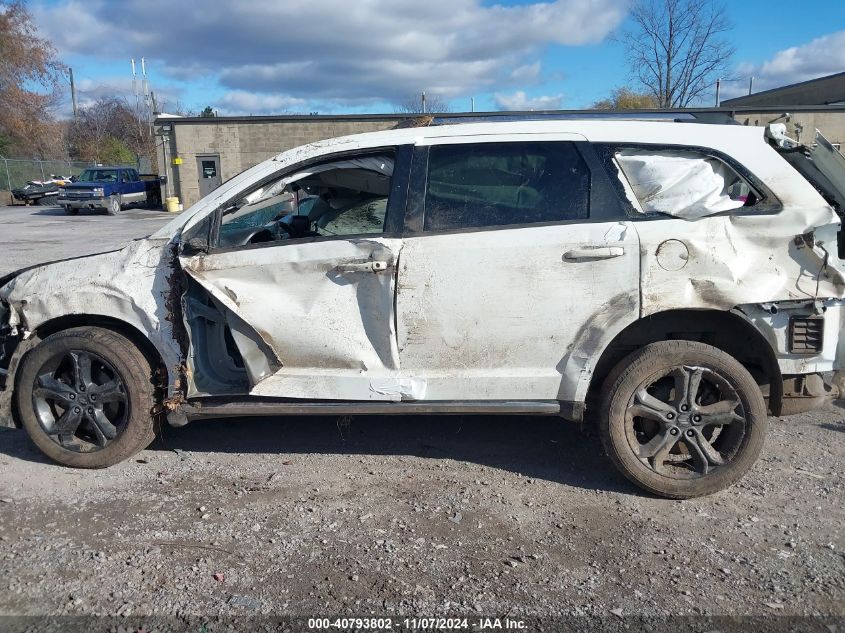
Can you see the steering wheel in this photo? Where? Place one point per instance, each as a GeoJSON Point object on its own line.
{"type": "Point", "coordinates": [286, 228]}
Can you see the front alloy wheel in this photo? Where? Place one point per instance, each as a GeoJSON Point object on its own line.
{"type": "Point", "coordinates": [682, 419]}
{"type": "Point", "coordinates": [85, 396]}
{"type": "Point", "coordinates": [80, 401]}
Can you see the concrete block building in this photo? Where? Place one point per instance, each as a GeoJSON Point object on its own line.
{"type": "Point", "coordinates": [197, 154]}
{"type": "Point", "coordinates": [804, 107]}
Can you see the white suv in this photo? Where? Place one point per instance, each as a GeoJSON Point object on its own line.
{"type": "Point", "coordinates": [673, 282]}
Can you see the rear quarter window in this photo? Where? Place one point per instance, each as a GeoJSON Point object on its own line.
{"type": "Point", "coordinates": [687, 183]}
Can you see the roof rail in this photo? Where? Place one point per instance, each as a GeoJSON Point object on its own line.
{"type": "Point", "coordinates": [672, 116]}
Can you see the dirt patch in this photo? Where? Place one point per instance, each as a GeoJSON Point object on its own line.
{"type": "Point", "coordinates": [418, 516]}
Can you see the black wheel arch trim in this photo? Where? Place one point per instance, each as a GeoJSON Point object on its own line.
{"type": "Point", "coordinates": [59, 324]}
{"type": "Point", "coordinates": [618, 349]}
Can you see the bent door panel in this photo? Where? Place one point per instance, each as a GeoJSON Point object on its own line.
{"type": "Point", "coordinates": [505, 314]}
{"type": "Point", "coordinates": [517, 272]}
{"type": "Point", "coordinates": [331, 328]}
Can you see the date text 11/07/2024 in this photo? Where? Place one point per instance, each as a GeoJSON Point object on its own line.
{"type": "Point", "coordinates": [476, 624]}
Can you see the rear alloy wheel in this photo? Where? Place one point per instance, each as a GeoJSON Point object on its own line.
{"type": "Point", "coordinates": [85, 397]}
{"type": "Point", "coordinates": [113, 207]}
{"type": "Point", "coordinates": [682, 419]}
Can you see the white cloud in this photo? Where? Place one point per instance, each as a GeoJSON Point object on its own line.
{"type": "Point", "coordinates": [822, 56]}
{"type": "Point", "coordinates": [521, 101]}
{"type": "Point", "coordinates": [240, 102]}
{"type": "Point", "coordinates": [330, 51]}
{"type": "Point", "coordinates": [529, 73]}
{"type": "Point", "coordinates": [89, 90]}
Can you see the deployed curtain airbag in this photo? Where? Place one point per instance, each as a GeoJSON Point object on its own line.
{"type": "Point", "coordinates": [379, 164]}
{"type": "Point", "coordinates": [680, 183]}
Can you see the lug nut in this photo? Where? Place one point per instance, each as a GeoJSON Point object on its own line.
{"type": "Point", "coordinates": [696, 418]}
{"type": "Point", "coordinates": [72, 396]}
{"type": "Point", "coordinates": [76, 409]}
{"type": "Point", "coordinates": [90, 409]}
{"type": "Point", "coordinates": [82, 387]}
{"type": "Point", "coordinates": [92, 397]}
{"type": "Point", "coordinates": [690, 433]}
{"type": "Point", "coordinates": [670, 416]}
{"type": "Point", "coordinates": [684, 407]}
{"type": "Point", "coordinates": [673, 431]}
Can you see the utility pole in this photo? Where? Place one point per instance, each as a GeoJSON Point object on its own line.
{"type": "Point", "coordinates": [134, 80]}
{"type": "Point", "coordinates": [750, 84]}
{"type": "Point", "coordinates": [718, 87]}
{"type": "Point", "coordinates": [472, 104]}
{"type": "Point", "coordinates": [72, 92]}
{"type": "Point", "coordinates": [422, 101]}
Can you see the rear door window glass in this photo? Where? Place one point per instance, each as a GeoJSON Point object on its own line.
{"type": "Point", "coordinates": [497, 184]}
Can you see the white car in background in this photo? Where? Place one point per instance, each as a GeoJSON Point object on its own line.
{"type": "Point", "coordinates": [671, 282]}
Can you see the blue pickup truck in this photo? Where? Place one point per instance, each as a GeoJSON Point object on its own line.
{"type": "Point", "coordinates": [112, 189]}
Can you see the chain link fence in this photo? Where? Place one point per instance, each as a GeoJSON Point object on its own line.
{"type": "Point", "coordinates": [16, 173]}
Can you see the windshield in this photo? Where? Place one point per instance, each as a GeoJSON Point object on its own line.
{"type": "Point", "coordinates": [98, 175]}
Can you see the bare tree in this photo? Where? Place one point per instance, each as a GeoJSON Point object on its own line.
{"type": "Point", "coordinates": [111, 130]}
{"type": "Point", "coordinates": [175, 106]}
{"type": "Point", "coordinates": [677, 48]}
{"type": "Point", "coordinates": [434, 104]}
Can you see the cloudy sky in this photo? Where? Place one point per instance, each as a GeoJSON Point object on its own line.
{"type": "Point", "coordinates": [335, 56]}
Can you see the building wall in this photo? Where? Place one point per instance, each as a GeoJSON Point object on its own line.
{"type": "Point", "coordinates": [831, 124]}
{"type": "Point", "coordinates": [242, 144]}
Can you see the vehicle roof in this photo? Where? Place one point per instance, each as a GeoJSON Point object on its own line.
{"type": "Point", "coordinates": [746, 144]}
{"type": "Point", "coordinates": [629, 131]}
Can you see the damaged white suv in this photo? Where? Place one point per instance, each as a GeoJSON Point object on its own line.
{"type": "Point", "coordinates": [674, 281]}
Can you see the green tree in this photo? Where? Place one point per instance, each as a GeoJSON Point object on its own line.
{"type": "Point", "coordinates": [627, 99]}
{"type": "Point", "coordinates": [114, 152]}
{"type": "Point", "coordinates": [207, 113]}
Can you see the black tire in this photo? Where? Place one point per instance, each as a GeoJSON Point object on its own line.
{"type": "Point", "coordinates": [116, 370]}
{"type": "Point", "coordinates": [113, 206]}
{"type": "Point", "coordinates": [682, 419]}
{"type": "Point", "coordinates": [71, 211]}
{"type": "Point", "coordinates": [154, 201]}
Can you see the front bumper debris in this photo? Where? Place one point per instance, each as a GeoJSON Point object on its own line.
{"type": "Point", "coordinates": [9, 339]}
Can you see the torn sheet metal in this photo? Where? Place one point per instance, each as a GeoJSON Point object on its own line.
{"type": "Point", "coordinates": [318, 307]}
{"type": "Point", "coordinates": [679, 183]}
{"type": "Point", "coordinates": [772, 320]}
{"type": "Point", "coordinates": [722, 262]}
{"type": "Point", "coordinates": [785, 251]}
{"type": "Point", "coordinates": [397, 388]}
{"type": "Point", "coordinates": [131, 285]}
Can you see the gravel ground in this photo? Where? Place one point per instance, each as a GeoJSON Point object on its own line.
{"type": "Point", "coordinates": [424, 516]}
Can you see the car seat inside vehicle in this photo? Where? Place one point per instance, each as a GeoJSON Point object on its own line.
{"type": "Point", "coordinates": [346, 197]}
